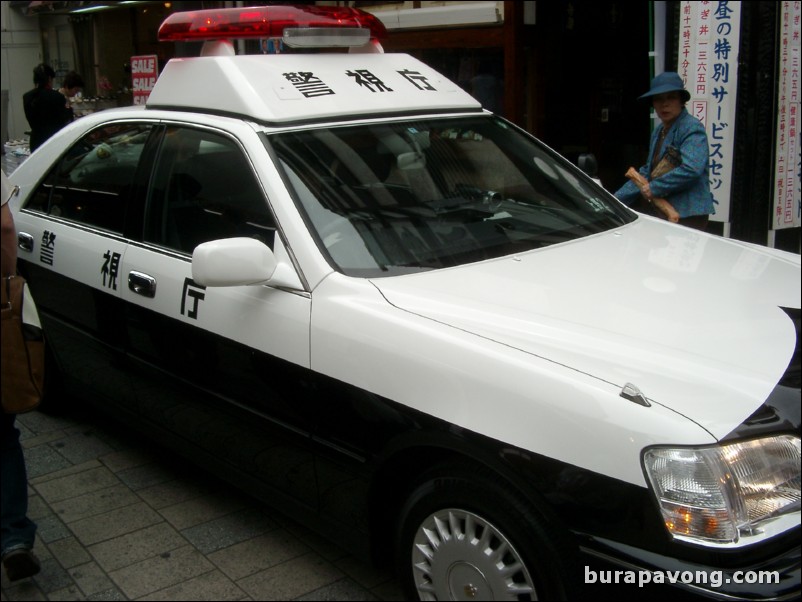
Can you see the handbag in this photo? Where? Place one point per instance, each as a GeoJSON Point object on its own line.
{"type": "Point", "coordinates": [671, 159]}
{"type": "Point", "coordinates": [23, 351]}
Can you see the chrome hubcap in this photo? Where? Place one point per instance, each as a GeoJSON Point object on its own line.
{"type": "Point", "coordinates": [457, 555]}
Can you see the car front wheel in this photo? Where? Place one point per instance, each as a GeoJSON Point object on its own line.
{"type": "Point", "coordinates": [467, 535]}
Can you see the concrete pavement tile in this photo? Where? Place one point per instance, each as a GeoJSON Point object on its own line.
{"type": "Point", "coordinates": [228, 530]}
{"type": "Point", "coordinates": [80, 426]}
{"type": "Point", "coordinates": [321, 545]}
{"type": "Point", "coordinates": [163, 571]}
{"type": "Point", "coordinates": [65, 472]}
{"type": "Point", "coordinates": [108, 595]}
{"type": "Point", "coordinates": [71, 592]}
{"type": "Point", "coordinates": [209, 586]}
{"type": "Point", "coordinates": [115, 434]}
{"type": "Point", "coordinates": [81, 447]}
{"type": "Point", "coordinates": [344, 589]}
{"type": "Point", "coordinates": [90, 578]}
{"type": "Point", "coordinates": [202, 509]}
{"type": "Point", "coordinates": [34, 440]}
{"type": "Point", "coordinates": [390, 591]}
{"type": "Point", "coordinates": [69, 552]}
{"type": "Point", "coordinates": [24, 431]}
{"type": "Point", "coordinates": [39, 422]}
{"type": "Point", "coordinates": [51, 528]}
{"type": "Point", "coordinates": [52, 577]}
{"type": "Point", "coordinates": [96, 502]}
{"type": "Point", "coordinates": [174, 492]}
{"type": "Point", "coordinates": [139, 477]}
{"type": "Point", "coordinates": [72, 485]}
{"type": "Point", "coordinates": [114, 523]}
{"type": "Point", "coordinates": [291, 579]}
{"type": "Point", "coordinates": [257, 554]}
{"type": "Point", "coordinates": [22, 590]}
{"type": "Point", "coordinates": [124, 459]}
{"type": "Point", "coordinates": [37, 508]}
{"type": "Point", "coordinates": [43, 459]}
{"type": "Point", "coordinates": [41, 547]}
{"type": "Point", "coordinates": [362, 572]}
{"type": "Point", "coordinates": [137, 546]}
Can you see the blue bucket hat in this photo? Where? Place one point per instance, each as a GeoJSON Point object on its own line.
{"type": "Point", "coordinates": [667, 82]}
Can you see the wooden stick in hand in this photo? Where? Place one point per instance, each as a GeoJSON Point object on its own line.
{"type": "Point", "coordinates": [662, 205]}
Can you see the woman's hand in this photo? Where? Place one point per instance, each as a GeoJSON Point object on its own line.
{"type": "Point", "coordinates": [645, 189]}
{"type": "Point", "coordinates": [666, 208]}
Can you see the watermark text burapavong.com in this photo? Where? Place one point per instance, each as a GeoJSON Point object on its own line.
{"type": "Point", "coordinates": [714, 579]}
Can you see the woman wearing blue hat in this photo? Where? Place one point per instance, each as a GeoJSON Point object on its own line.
{"type": "Point", "coordinates": [677, 167]}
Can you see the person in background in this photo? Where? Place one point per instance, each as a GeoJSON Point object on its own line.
{"type": "Point", "coordinates": [45, 109]}
{"type": "Point", "coordinates": [71, 85]}
{"type": "Point", "coordinates": [17, 531]}
{"type": "Point", "coordinates": [486, 87]}
{"type": "Point", "coordinates": [683, 138]}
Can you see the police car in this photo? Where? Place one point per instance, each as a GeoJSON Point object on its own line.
{"type": "Point", "coordinates": [334, 279]}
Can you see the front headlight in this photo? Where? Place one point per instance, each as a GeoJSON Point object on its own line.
{"type": "Point", "coordinates": [727, 495]}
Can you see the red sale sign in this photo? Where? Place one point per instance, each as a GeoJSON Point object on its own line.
{"type": "Point", "coordinates": [144, 71]}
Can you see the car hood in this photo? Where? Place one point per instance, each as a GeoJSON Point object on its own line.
{"type": "Point", "coordinates": [693, 320]}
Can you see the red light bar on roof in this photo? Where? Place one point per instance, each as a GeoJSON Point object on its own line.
{"type": "Point", "coordinates": [296, 25]}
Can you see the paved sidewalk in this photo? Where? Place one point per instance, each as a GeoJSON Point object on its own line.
{"type": "Point", "coordinates": [121, 520]}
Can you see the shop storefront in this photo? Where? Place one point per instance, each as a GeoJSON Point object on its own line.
{"type": "Point", "coordinates": [569, 71]}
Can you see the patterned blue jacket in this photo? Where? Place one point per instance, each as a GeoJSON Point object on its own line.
{"type": "Point", "coordinates": [686, 187]}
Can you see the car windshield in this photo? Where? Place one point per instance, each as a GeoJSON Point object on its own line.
{"type": "Point", "coordinates": [391, 198]}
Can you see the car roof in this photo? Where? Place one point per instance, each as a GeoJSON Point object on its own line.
{"type": "Point", "coordinates": [288, 88]}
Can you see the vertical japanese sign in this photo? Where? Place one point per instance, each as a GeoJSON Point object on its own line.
{"type": "Point", "coordinates": [144, 71]}
{"type": "Point", "coordinates": [788, 154]}
{"type": "Point", "coordinates": [708, 64]}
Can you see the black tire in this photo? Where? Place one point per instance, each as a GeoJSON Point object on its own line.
{"type": "Point", "coordinates": [479, 531]}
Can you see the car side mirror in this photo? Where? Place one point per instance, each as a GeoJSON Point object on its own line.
{"type": "Point", "coordinates": [587, 163]}
{"type": "Point", "coordinates": [233, 262]}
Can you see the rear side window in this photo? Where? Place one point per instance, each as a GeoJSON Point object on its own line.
{"type": "Point", "coordinates": [92, 183]}
{"type": "Point", "coordinates": [204, 189]}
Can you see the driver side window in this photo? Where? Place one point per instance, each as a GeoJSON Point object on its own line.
{"type": "Point", "coordinates": [204, 189]}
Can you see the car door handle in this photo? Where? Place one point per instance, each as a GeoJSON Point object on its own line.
{"type": "Point", "coordinates": [142, 284]}
{"type": "Point", "coordinates": [25, 242]}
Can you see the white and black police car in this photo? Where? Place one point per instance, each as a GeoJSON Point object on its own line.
{"type": "Point", "coordinates": [334, 279]}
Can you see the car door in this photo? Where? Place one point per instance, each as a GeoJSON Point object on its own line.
{"type": "Point", "coordinates": [220, 372]}
{"type": "Point", "coordinates": [71, 249]}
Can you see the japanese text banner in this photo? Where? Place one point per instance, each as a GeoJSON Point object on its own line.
{"type": "Point", "coordinates": [708, 64]}
{"type": "Point", "coordinates": [788, 150]}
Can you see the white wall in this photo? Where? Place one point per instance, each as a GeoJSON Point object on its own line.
{"type": "Point", "coordinates": [20, 52]}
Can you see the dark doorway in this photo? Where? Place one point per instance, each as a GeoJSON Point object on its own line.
{"type": "Point", "coordinates": [594, 63]}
